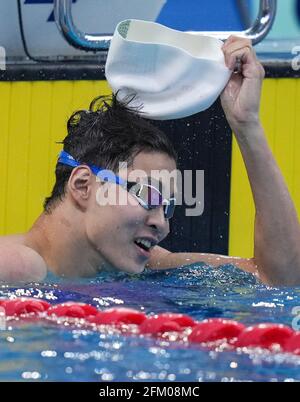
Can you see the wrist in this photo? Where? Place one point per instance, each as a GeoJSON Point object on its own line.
{"type": "Point", "coordinates": [250, 136]}
{"type": "Point", "coordinates": [246, 128]}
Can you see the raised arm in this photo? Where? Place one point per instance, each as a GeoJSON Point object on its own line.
{"type": "Point", "coordinates": [277, 230]}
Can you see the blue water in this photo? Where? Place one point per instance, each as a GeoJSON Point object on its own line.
{"type": "Point", "coordinates": [41, 352]}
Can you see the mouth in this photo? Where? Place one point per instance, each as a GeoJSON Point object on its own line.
{"type": "Point", "coordinates": [145, 245]}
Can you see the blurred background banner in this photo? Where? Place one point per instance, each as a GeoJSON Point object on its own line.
{"type": "Point", "coordinates": [43, 39]}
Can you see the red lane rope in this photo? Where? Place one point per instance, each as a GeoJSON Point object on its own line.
{"type": "Point", "coordinates": [211, 333]}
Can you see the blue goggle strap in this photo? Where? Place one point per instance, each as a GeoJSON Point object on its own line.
{"type": "Point", "coordinates": [101, 173]}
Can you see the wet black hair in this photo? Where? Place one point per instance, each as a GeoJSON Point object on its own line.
{"type": "Point", "coordinates": [107, 133]}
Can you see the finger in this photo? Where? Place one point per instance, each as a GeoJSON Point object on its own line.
{"type": "Point", "coordinates": [237, 46]}
{"type": "Point", "coordinates": [240, 44]}
{"type": "Point", "coordinates": [244, 61]}
{"type": "Point", "coordinates": [243, 56]}
{"type": "Point", "coordinates": [235, 39]}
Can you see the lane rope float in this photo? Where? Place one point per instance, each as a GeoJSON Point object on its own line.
{"type": "Point", "coordinates": [209, 333]}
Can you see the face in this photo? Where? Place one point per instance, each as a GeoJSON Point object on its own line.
{"type": "Point", "coordinates": [121, 230]}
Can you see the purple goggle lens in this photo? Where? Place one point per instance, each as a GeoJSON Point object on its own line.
{"type": "Point", "coordinates": [150, 197]}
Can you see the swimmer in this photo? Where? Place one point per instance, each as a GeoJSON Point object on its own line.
{"type": "Point", "coordinates": [75, 236]}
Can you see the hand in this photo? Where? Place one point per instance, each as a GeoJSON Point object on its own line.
{"type": "Point", "coordinates": [241, 97]}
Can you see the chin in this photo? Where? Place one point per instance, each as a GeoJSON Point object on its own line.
{"type": "Point", "coordinates": [132, 268]}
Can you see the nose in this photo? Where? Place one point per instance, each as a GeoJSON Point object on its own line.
{"type": "Point", "coordinates": [156, 219]}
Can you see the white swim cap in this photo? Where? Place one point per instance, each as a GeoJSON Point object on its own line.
{"type": "Point", "coordinates": [173, 74]}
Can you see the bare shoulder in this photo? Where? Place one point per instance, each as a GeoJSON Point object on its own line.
{"type": "Point", "coordinates": [12, 239]}
{"type": "Point", "coordinates": [164, 259]}
{"type": "Point", "coordinates": [19, 263]}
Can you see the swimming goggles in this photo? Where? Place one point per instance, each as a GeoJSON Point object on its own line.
{"type": "Point", "coordinates": [148, 196]}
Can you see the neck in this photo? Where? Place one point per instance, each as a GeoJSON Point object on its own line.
{"type": "Point", "coordinates": [63, 245]}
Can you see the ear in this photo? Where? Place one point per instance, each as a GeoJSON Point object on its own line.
{"type": "Point", "coordinates": [80, 185]}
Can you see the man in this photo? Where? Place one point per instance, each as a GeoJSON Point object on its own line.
{"type": "Point", "coordinates": [77, 235]}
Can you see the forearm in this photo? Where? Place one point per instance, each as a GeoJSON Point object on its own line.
{"type": "Point", "coordinates": [277, 230]}
{"type": "Point", "coordinates": [164, 259]}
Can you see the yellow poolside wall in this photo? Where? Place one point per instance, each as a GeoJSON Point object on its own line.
{"type": "Point", "coordinates": [33, 118]}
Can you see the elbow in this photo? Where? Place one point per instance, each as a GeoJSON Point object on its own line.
{"type": "Point", "coordinates": [280, 271]}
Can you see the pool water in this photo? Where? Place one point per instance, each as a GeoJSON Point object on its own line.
{"type": "Point", "coordinates": [43, 352]}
